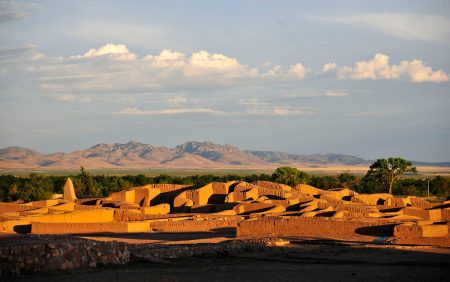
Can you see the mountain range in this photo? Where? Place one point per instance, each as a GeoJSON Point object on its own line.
{"type": "Point", "coordinates": [195, 155]}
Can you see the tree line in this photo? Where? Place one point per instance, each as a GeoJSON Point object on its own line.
{"type": "Point", "coordinates": [383, 176]}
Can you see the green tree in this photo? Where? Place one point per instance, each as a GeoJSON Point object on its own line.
{"type": "Point", "coordinates": [346, 179]}
{"type": "Point", "coordinates": [290, 176]}
{"type": "Point", "coordinates": [440, 186]}
{"type": "Point", "coordinates": [85, 184]}
{"type": "Point", "coordinates": [36, 187]}
{"type": "Point", "coordinates": [386, 171]}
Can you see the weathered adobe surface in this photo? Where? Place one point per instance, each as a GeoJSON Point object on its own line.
{"type": "Point", "coordinates": [223, 225]}
{"type": "Point", "coordinates": [252, 209]}
{"type": "Point", "coordinates": [310, 227]}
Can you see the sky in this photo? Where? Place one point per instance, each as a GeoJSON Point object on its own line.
{"type": "Point", "coordinates": [366, 78]}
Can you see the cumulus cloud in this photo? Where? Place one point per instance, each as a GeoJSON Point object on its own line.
{"type": "Point", "coordinates": [298, 71]}
{"type": "Point", "coordinates": [379, 68]}
{"type": "Point", "coordinates": [167, 58]}
{"type": "Point", "coordinates": [116, 51]}
{"type": "Point", "coordinates": [113, 68]}
{"type": "Point", "coordinates": [329, 67]}
{"type": "Point", "coordinates": [429, 28]}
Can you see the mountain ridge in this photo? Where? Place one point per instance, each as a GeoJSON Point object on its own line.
{"type": "Point", "coordinates": [192, 154]}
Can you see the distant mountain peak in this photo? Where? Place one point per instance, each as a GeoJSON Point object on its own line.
{"type": "Point", "coordinates": [192, 154]}
{"type": "Point", "coordinates": [206, 146]}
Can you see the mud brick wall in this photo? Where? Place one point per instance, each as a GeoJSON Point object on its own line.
{"type": "Point", "coordinates": [195, 226]}
{"type": "Point", "coordinates": [357, 209]}
{"type": "Point", "coordinates": [330, 228]}
{"type": "Point", "coordinates": [446, 214]}
{"type": "Point", "coordinates": [10, 207]}
{"type": "Point", "coordinates": [27, 258]}
{"type": "Point", "coordinates": [420, 203]}
{"type": "Point", "coordinates": [81, 228]}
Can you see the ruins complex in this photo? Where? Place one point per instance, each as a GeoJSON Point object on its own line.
{"type": "Point", "coordinates": [259, 209]}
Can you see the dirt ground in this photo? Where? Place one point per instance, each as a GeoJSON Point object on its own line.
{"type": "Point", "coordinates": [299, 261]}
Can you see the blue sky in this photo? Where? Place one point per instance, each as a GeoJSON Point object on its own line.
{"type": "Point", "coordinates": [368, 78]}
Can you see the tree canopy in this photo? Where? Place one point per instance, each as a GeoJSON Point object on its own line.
{"type": "Point", "coordinates": [346, 179]}
{"type": "Point", "coordinates": [386, 171]}
{"type": "Point", "coordinates": [290, 176]}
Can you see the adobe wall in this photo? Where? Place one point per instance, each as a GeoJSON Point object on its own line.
{"type": "Point", "coordinates": [78, 253]}
{"type": "Point", "coordinates": [420, 203]}
{"type": "Point", "coordinates": [80, 228]}
{"type": "Point", "coordinates": [10, 207]}
{"type": "Point", "coordinates": [94, 216]}
{"type": "Point", "coordinates": [306, 226]}
{"type": "Point", "coordinates": [168, 192]}
{"type": "Point", "coordinates": [414, 230]}
{"type": "Point", "coordinates": [195, 226]}
{"type": "Point", "coordinates": [272, 185]}
{"type": "Point", "coordinates": [445, 213]}
{"type": "Point", "coordinates": [424, 214]}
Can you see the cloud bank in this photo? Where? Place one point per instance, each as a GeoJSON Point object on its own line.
{"type": "Point", "coordinates": [379, 68]}
{"type": "Point", "coordinates": [115, 69]}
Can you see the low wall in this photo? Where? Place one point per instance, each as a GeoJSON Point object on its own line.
{"type": "Point", "coordinates": [86, 216]}
{"type": "Point", "coordinates": [74, 254]}
{"type": "Point", "coordinates": [312, 227]}
{"type": "Point", "coordinates": [414, 230]}
{"type": "Point", "coordinates": [10, 207]}
{"type": "Point", "coordinates": [81, 228]}
{"type": "Point", "coordinates": [195, 226]}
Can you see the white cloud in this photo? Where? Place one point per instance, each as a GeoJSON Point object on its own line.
{"type": "Point", "coordinates": [298, 71]}
{"type": "Point", "coordinates": [329, 93]}
{"type": "Point", "coordinates": [178, 111]}
{"type": "Point", "coordinates": [252, 102]}
{"type": "Point", "coordinates": [279, 111]}
{"type": "Point", "coordinates": [336, 94]}
{"type": "Point", "coordinates": [275, 71]}
{"type": "Point", "coordinates": [251, 111]}
{"type": "Point", "coordinates": [202, 62]}
{"type": "Point", "coordinates": [116, 51]}
{"type": "Point", "coordinates": [113, 68]}
{"type": "Point", "coordinates": [167, 58]}
{"type": "Point", "coordinates": [329, 67]}
{"type": "Point", "coordinates": [429, 28]}
{"type": "Point", "coordinates": [379, 68]}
